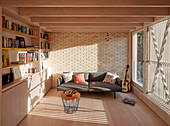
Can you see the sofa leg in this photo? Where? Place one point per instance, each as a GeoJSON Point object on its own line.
{"type": "Point", "coordinates": [114, 94]}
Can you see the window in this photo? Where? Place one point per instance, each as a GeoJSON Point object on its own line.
{"type": "Point", "coordinates": [137, 68]}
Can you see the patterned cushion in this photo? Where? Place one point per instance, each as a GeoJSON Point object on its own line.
{"type": "Point", "coordinates": [110, 78]}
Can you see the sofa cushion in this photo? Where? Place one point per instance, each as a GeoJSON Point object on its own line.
{"type": "Point", "coordinates": [73, 86]}
{"type": "Point", "coordinates": [110, 78]}
{"type": "Point", "coordinates": [98, 86]}
{"type": "Point", "coordinates": [86, 75]}
{"type": "Point", "coordinates": [79, 78]}
{"type": "Point", "coordinates": [67, 77]}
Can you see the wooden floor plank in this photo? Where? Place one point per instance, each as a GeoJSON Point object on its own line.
{"type": "Point", "coordinates": [95, 109]}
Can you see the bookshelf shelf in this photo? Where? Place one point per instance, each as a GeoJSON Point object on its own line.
{"type": "Point", "coordinates": [44, 59]}
{"type": "Point", "coordinates": [44, 49]}
{"type": "Point", "coordinates": [32, 36]}
{"type": "Point", "coordinates": [20, 49]}
{"type": "Point", "coordinates": [15, 65]}
{"type": "Point", "coordinates": [45, 39]}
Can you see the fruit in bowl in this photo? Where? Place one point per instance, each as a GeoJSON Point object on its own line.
{"type": "Point", "coordinates": [70, 93]}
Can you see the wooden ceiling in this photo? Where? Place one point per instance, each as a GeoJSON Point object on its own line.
{"type": "Point", "coordinates": [91, 15]}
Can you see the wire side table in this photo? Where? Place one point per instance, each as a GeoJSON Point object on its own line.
{"type": "Point", "coordinates": [71, 103]}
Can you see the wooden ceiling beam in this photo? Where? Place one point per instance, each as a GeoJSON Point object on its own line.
{"type": "Point", "coordinates": [86, 30]}
{"type": "Point", "coordinates": [85, 3]}
{"type": "Point", "coordinates": [90, 27]}
{"type": "Point", "coordinates": [93, 11]}
{"type": "Point", "coordinates": [92, 19]}
{"type": "Point", "coordinates": [92, 24]}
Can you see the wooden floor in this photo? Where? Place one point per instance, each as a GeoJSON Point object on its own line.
{"type": "Point", "coordinates": [95, 109]}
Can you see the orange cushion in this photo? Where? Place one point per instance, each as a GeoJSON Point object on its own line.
{"type": "Point", "coordinates": [79, 78]}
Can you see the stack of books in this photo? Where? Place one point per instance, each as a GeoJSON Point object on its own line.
{"type": "Point", "coordinates": [28, 56]}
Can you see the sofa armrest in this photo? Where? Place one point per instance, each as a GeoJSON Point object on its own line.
{"type": "Point", "coordinates": [118, 82]}
{"type": "Point", "coordinates": [59, 80]}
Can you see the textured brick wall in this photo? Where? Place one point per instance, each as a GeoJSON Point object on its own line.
{"type": "Point", "coordinates": [88, 52]}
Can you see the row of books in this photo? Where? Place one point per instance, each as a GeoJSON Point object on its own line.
{"type": "Point", "coordinates": [5, 58]}
{"type": "Point", "coordinates": [28, 56]}
{"type": "Point", "coordinates": [17, 27]}
{"type": "Point", "coordinates": [9, 42]}
{"type": "Point", "coordinates": [45, 36]}
{"type": "Point", "coordinates": [19, 42]}
{"type": "Point", "coordinates": [45, 45]}
{"type": "Point", "coordinates": [45, 54]}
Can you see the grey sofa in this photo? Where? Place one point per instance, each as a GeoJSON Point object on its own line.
{"type": "Point", "coordinates": [94, 83]}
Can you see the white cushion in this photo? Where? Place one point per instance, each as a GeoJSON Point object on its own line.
{"type": "Point", "coordinates": [68, 77]}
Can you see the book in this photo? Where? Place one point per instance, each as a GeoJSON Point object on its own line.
{"type": "Point", "coordinates": [17, 62]}
{"type": "Point", "coordinates": [10, 24]}
{"type": "Point", "coordinates": [10, 43]}
{"type": "Point", "coordinates": [27, 57]}
{"type": "Point", "coordinates": [3, 21]}
{"type": "Point", "coordinates": [15, 43]}
{"type": "Point", "coordinates": [3, 40]}
{"type": "Point", "coordinates": [22, 57]}
{"type": "Point", "coordinates": [5, 58]}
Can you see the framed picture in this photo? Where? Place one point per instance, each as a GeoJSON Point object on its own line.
{"type": "Point", "coordinates": [21, 42]}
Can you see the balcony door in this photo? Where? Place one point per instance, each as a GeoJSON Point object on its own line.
{"type": "Point", "coordinates": [137, 64]}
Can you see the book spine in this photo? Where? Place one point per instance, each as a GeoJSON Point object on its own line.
{"type": "Point", "coordinates": [27, 58]}
{"type": "Point", "coordinates": [3, 41]}
{"type": "Point", "coordinates": [41, 45]}
{"type": "Point", "coordinates": [10, 23]}
{"type": "Point", "coordinates": [15, 43]}
{"type": "Point", "coordinates": [12, 26]}
{"type": "Point", "coordinates": [3, 21]}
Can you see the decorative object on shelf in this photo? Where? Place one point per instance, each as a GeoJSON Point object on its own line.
{"type": "Point", "coordinates": [70, 101]}
{"type": "Point", "coordinates": [34, 70]}
{"type": "Point", "coordinates": [7, 78]}
{"type": "Point", "coordinates": [21, 42]}
{"type": "Point", "coordinates": [16, 72]}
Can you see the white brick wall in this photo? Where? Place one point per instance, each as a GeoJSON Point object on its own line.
{"type": "Point", "coordinates": [88, 52]}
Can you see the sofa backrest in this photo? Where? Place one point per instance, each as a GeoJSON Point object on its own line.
{"type": "Point", "coordinates": [92, 76]}
{"type": "Point", "coordinates": [98, 76]}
